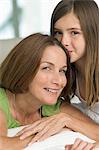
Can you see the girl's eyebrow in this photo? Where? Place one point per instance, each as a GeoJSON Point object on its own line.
{"type": "Point", "coordinates": [75, 28]}
{"type": "Point", "coordinates": [56, 29]}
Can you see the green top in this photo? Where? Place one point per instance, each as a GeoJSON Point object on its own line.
{"type": "Point", "coordinates": [4, 104]}
{"type": "Point", "coordinates": [49, 110]}
{"type": "Point", "coordinates": [12, 123]}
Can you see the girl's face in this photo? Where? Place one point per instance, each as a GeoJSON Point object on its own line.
{"type": "Point", "coordinates": [50, 79]}
{"type": "Point", "coordinates": [68, 30]}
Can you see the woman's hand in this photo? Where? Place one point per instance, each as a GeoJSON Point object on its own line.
{"type": "Point", "coordinates": [13, 143]}
{"type": "Point", "coordinates": [80, 145]}
{"type": "Point", "coordinates": [44, 128]}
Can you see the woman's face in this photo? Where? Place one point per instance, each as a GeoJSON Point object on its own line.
{"type": "Point", "coordinates": [50, 79]}
{"type": "Point", "coordinates": [68, 30]}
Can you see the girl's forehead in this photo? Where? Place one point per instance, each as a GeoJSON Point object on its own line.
{"type": "Point", "coordinates": [68, 19]}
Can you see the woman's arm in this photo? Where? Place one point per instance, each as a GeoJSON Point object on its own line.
{"type": "Point", "coordinates": [13, 143]}
{"type": "Point", "coordinates": [69, 117]}
{"type": "Point", "coordinates": [10, 143]}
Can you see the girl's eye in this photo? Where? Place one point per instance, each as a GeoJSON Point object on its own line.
{"type": "Point", "coordinates": [56, 33]}
{"type": "Point", "coordinates": [74, 33]}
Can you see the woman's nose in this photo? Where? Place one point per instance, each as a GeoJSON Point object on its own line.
{"type": "Point", "coordinates": [58, 79]}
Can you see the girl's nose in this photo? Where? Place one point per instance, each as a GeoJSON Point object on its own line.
{"type": "Point", "coordinates": [65, 40]}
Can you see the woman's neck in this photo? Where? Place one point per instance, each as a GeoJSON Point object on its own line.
{"type": "Point", "coordinates": [23, 108]}
{"type": "Point", "coordinates": [26, 104]}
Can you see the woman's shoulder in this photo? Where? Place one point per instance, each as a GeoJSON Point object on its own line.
{"type": "Point", "coordinates": [3, 100]}
{"type": "Point", "coordinates": [3, 96]}
{"type": "Point", "coordinates": [2, 91]}
{"type": "Point", "coordinates": [4, 105]}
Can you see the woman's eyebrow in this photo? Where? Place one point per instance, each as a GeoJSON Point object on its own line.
{"type": "Point", "coordinates": [47, 62]}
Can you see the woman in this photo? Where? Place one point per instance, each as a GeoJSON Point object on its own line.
{"type": "Point", "coordinates": [32, 67]}
{"type": "Point", "coordinates": [75, 23]}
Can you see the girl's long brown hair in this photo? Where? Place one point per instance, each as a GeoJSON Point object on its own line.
{"type": "Point", "coordinates": [87, 12]}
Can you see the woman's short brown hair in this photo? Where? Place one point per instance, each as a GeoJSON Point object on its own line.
{"type": "Point", "coordinates": [21, 65]}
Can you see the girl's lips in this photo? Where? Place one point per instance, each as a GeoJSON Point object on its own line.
{"type": "Point", "coordinates": [69, 52]}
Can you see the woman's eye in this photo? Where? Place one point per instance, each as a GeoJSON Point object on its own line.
{"type": "Point", "coordinates": [63, 71]}
{"type": "Point", "coordinates": [46, 68]}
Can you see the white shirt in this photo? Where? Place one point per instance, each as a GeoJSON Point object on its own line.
{"type": "Point", "coordinates": [92, 112]}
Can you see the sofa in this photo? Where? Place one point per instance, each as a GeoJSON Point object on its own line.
{"type": "Point", "coordinates": [6, 46]}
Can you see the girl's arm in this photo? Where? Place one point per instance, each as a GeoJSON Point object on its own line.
{"type": "Point", "coordinates": [80, 145]}
{"type": "Point", "coordinates": [79, 122]}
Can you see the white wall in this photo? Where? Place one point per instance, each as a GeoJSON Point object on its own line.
{"type": "Point", "coordinates": [35, 17]}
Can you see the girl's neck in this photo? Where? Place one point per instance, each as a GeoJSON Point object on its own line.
{"type": "Point", "coordinates": [81, 84]}
{"type": "Point", "coordinates": [80, 67]}
{"type": "Point", "coordinates": [80, 71]}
